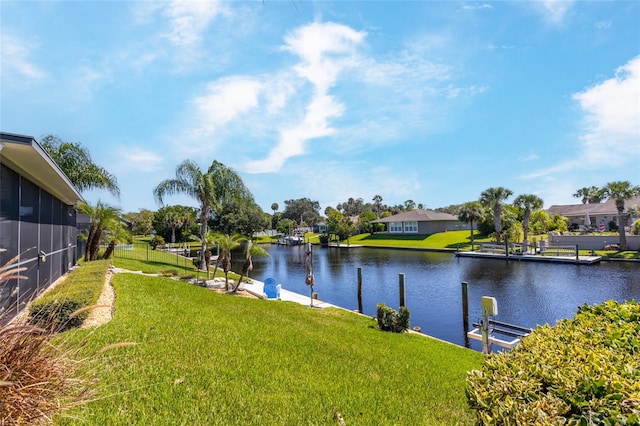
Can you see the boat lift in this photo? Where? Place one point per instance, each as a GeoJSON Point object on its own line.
{"type": "Point", "coordinates": [487, 327]}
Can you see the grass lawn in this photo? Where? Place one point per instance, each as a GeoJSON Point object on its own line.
{"type": "Point", "coordinates": [208, 358]}
{"type": "Point", "coordinates": [450, 240]}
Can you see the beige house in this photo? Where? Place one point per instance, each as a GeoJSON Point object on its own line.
{"type": "Point", "coordinates": [595, 216]}
{"type": "Point", "coordinates": [422, 222]}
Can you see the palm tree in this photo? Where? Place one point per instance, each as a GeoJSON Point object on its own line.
{"type": "Point", "coordinates": [621, 191]}
{"type": "Point", "coordinates": [212, 189]}
{"type": "Point", "coordinates": [75, 161]}
{"type": "Point", "coordinates": [227, 243]}
{"type": "Point", "coordinates": [471, 212]}
{"type": "Point", "coordinates": [251, 250]}
{"type": "Point", "coordinates": [493, 198]}
{"type": "Point", "coordinates": [116, 232]}
{"type": "Point", "coordinates": [102, 217]}
{"type": "Point", "coordinates": [274, 207]}
{"type": "Point", "coordinates": [527, 203]}
{"type": "Point", "coordinates": [377, 204]}
{"type": "Point", "coordinates": [589, 194]}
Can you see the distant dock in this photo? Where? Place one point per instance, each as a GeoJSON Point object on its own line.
{"type": "Point", "coordinates": [581, 260]}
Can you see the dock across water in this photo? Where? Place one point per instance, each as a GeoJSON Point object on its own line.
{"type": "Point", "coordinates": [561, 258]}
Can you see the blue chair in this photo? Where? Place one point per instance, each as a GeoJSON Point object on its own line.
{"type": "Point", "coordinates": [271, 289]}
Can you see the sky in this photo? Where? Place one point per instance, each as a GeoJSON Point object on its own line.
{"type": "Point", "coordinates": [430, 101]}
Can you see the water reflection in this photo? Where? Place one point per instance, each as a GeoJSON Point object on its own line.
{"type": "Point", "coordinates": [528, 293]}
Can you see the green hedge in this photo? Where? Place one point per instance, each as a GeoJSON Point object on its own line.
{"type": "Point", "coordinates": [82, 288]}
{"type": "Point", "coordinates": [581, 371]}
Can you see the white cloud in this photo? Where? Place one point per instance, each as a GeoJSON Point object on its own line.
{"type": "Point", "coordinates": [553, 11]}
{"type": "Point", "coordinates": [15, 56]}
{"type": "Point", "coordinates": [476, 6]}
{"type": "Point", "coordinates": [325, 50]}
{"type": "Point", "coordinates": [188, 19]}
{"type": "Point", "coordinates": [529, 157]}
{"type": "Point", "coordinates": [612, 119]}
{"type": "Point", "coordinates": [141, 160]}
{"type": "Point", "coordinates": [225, 99]}
{"type": "Point", "coordinates": [611, 126]}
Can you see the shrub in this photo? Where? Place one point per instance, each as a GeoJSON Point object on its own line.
{"type": "Point", "coordinates": [613, 227]}
{"type": "Point", "coordinates": [635, 228]}
{"type": "Point", "coordinates": [581, 371]}
{"type": "Point", "coordinates": [81, 289]}
{"type": "Point", "coordinates": [37, 378]}
{"type": "Point", "coordinates": [390, 320]}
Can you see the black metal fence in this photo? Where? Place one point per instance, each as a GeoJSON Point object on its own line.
{"type": "Point", "coordinates": [175, 255]}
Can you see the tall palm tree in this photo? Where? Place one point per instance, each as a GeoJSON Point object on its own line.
{"type": "Point", "coordinates": [227, 243]}
{"type": "Point", "coordinates": [377, 204]}
{"type": "Point", "coordinates": [621, 191]}
{"type": "Point", "coordinates": [589, 194]}
{"type": "Point", "coordinates": [469, 213]}
{"type": "Point", "coordinates": [75, 161]}
{"type": "Point", "coordinates": [211, 188]}
{"type": "Point", "coordinates": [101, 217]}
{"type": "Point", "coordinates": [527, 203]}
{"type": "Point", "coordinates": [493, 198]}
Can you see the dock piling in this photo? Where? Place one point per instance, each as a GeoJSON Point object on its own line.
{"type": "Point", "coordinates": [360, 290]}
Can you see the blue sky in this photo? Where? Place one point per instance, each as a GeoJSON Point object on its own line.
{"type": "Point", "coordinates": [429, 101]}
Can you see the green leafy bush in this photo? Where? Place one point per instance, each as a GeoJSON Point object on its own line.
{"type": "Point", "coordinates": [390, 320]}
{"type": "Point", "coordinates": [581, 371]}
{"type": "Point", "coordinates": [58, 308]}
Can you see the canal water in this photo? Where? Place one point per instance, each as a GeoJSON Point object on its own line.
{"type": "Point", "coordinates": [528, 293]}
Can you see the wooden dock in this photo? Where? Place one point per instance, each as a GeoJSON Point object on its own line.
{"type": "Point", "coordinates": [581, 260]}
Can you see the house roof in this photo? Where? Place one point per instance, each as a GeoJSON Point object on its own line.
{"type": "Point", "coordinates": [608, 207]}
{"type": "Point", "coordinates": [27, 157]}
{"type": "Point", "coordinates": [417, 216]}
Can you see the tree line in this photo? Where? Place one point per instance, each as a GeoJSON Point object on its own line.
{"type": "Point", "coordinates": [227, 206]}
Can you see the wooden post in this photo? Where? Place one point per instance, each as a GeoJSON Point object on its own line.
{"type": "Point", "coordinates": [577, 255]}
{"type": "Point", "coordinates": [465, 314]}
{"type": "Point", "coordinates": [506, 248]}
{"type": "Point", "coordinates": [401, 286]}
{"type": "Point", "coordinates": [360, 290]}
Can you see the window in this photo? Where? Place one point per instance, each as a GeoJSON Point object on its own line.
{"type": "Point", "coordinates": [411, 227]}
{"type": "Point", "coordinates": [395, 226]}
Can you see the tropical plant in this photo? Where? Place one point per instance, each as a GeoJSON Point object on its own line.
{"type": "Point", "coordinates": [621, 191]}
{"type": "Point", "coordinates": [176, 223]}
{"type": "Point", "coordinates": [589, 194]}
{"type": "Point", "coordinates": [377, 204]}
{"type": "Point", "coordinates": [527, 203]}
{"type": "Point", "coordinates": [116, 232]}
{"type": "Point", "coordinates": [409, 205]}
{"type": "Point", "coordinates": [227, 243]}
{"type": "Point", "coordinates": [102, 217]}
{"type": "Point", "coordinates": [494, 198]}
{"type": "Point", "coordinates": [274, 207]}
{"type": "Point", "coordinates": [469, 213]}
{"type": "Point", "coordinates": [75, 161]}
{"type": "Point", "coordinates": [211, 188]}
{"type": "Point", "coordinates": [250, 251]}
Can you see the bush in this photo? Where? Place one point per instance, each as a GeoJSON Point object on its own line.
{"type": "Point", "coordinates": [323, 238]}
{"type": "Point", "coordinates": [635, 228]}
{"type": "Point", "coordinates": [581, 371]}
{"type": "Point", "coordinates": [613, 227]}
{"type": "Point", "coordinates": [390, 320]}
{"type": "Point", "coordinates": [56, 310]}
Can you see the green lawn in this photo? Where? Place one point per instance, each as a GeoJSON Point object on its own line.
{"type": "Point", "coordinates": [442, 240]}
{"type": "Point", "coordinates": [208, 358]}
